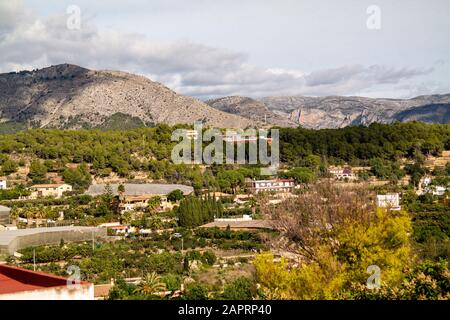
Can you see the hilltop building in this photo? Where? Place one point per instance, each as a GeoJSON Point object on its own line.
{"type": "Point", "coordinates": [236, 137]}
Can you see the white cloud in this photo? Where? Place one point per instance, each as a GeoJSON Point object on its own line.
{"type": "Point", "coordinates": [28, 41]}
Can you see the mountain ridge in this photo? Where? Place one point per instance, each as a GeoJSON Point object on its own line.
{"type": "Point", "coordinates": [340, 111]}
{"type": "Point", "coordinates": [67, 96]}
{"type": "Point", "coordinates": [71, 97]}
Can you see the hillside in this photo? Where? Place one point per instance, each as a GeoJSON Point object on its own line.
{"type": "Point", "coordinates": [251, 109]}
{"type": "Point", "coordinates": [70, 97]}
{"type": "Point", "coordinates": [339, 112]}
{"type": "Point", "coordinates": [433, 113]}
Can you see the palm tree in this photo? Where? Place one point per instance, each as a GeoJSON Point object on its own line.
{"type": "Point", "coordinates": [150, 284]}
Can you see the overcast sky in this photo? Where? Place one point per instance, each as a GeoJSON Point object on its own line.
{"type": "Point", "coordinates": [211, 48]}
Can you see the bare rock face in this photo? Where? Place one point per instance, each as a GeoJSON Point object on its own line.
{"type": "Point", "coordinates": [338, 112]}
{"type": "Point", "coordinates": [71, 97]}
{"type": "Point", "coordinates": [251, 109]}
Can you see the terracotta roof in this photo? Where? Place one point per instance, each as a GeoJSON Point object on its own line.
{"type": "Point", "coordinates": [135, 189]}
{"type": "Point", "coordinates": [50, 185]}
{"type": "Point", "coordinates": [14, 279]}
{"type": "Point", "coordinates": [250, 224]}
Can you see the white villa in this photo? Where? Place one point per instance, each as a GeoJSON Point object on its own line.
{"type": "Point", "coordinates": [391, 201]}
{"type": "Point", "coordinates": [137, 196]}
{"type": "Point", "coordinates": [49, 190]}
{"type": "Point", "coordinates": [277, 185]}
{"type": "Point", "coordinates": [342, 173]}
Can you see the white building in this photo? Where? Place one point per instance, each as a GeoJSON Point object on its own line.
{"type": "Point", "coordinates": [342, 173]}
{"type": "Point", "coordinates": [137, 196]}
{"type": "Point", "coordinates": [241, 137]}
{"type": "Point", "coordinates": [49, 190]}
{"type": "Point", "coordinates": [438, 190]}
{"type": "Point", "coordinates": [245, 217]}
{"type": "Point", "coordinates": [132, 203]}
{"type": "Point", "coordinates": [23, 284]}
{"type": "Point", "coordinates": [3, 184]}
{"type": "Point", "coordinates": [391, 201]}
{"type": "Point", "coordinates": [426, 181]}
{"type": "Point", "coordinates": [277, 185]}
{"type": "Point", "coordinates": [191, 134]}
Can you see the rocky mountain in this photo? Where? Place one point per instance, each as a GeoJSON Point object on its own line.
{"type": "Point", "coordinates": [70, 97]}
{"type": "Point", "coordinates": [251, 109]}
{"type": "Point", "coordinates": [338, 112]}
{"type": "Point", "coordinates": [432, 113]}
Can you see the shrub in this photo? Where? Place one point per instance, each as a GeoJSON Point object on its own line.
{"type": "Point", "coordinates": [196, 291]}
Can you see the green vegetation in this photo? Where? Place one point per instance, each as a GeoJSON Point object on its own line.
{"type": "Point", "coordinates": [195, 211]}
{"type": "Point", "coordinates": [175, 195]}
{"type": "Point", "coordinates": [336, 232]}
{"type": "Point", "coordinates": [360, 144]}
{"type": "Point", "coordinates": [121, 121]}
{"type": "Point", "coordinates": [10, 127]}
{"type": "Point", "coordinates": [240, 289]}
{"type": "Point", "coordinates": [340, 238]}
{"type": "Point", "coordinates": [78, 178]}
{"type": "Point", "coordinates": [37, 172]}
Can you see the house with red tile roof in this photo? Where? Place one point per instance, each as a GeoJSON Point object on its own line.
{"type": "Point", "coordinates": [22, 284]}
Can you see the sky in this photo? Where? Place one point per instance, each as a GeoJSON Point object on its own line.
{"type": "Point", "coordinates": [256, 48]}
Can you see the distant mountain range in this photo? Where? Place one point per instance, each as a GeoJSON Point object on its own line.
{"type": "Point", "coordinates": [336, 111]}
{"type": "Point", "coordinates": [71, 97]}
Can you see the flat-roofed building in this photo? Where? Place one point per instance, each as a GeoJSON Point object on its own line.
{"type": "Point", "coordinates": [3, 185]}
{"type": "Point", "coordinates": [276, 185]}
{"type": "Point", "coordinates": [22, 284]}
{"type": "Point", "coordinates": [191, 134]}
{"type": "Point", "coordinates": [342, 173]}
{"type": "Point", "coordinates": [49, 190]}
{"type": "Point", "coordinates": [390, 200]}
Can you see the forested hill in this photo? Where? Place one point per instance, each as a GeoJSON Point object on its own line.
{"type": "Point", "coordinates": [361, 143]}
{"type": "Point", "coordinates": [121, 150]}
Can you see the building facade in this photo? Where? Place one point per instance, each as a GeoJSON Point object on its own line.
{"type": "Point", "coordinates": [49, 190]}
{"type": "Point", "coordinates": [391, 201]}
{"type": "Point", "coordinates": [22, 284]}
{"type": "Point", "coordinates": [276, 185]}
{"type": "Point", "coordinates": [342, 173]}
